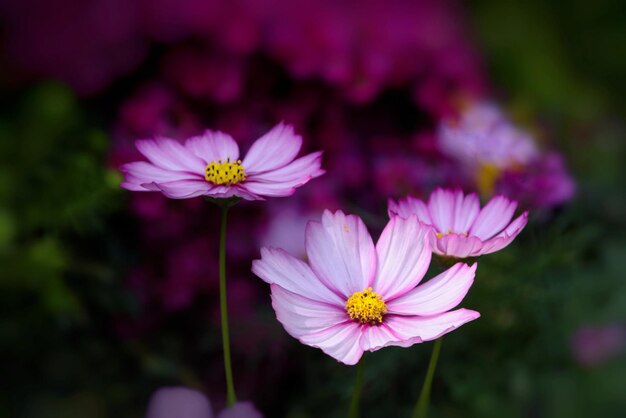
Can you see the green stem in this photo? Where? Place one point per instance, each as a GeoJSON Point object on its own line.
{"type": "Point", "coordinates": [421, 407]}
{"type": "Point", "coordinates": [231, 398]}
{"type": "Point", "coordinates": [356, 395]}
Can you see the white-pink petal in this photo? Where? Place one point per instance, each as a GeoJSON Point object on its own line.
{"type": "Point", "coordinates": [404, 255]}
{"type": "Point", "coordinates": [341, 252]}
{"type": "Point", "coordinates": [441, 209]}
{"type": "Point", "coordinates": [181, 189]}
{"type": "Point", "coordinates": [148, 173]}
{"type": "Point", "coordinates": [375, 337]}
{"type": "Point", "coordinates": [408, 206]}
{"type": "Point", "coordinates": [276, 266]}
{"type": "Point", "coordinates": [340, 342]}
{"type": "Point", "coordinates": [273, 189]}
{"type": "Point", "coordinates": [437, 295]}
{"type": "Point", "coordinates": [297, 171]}
{"type": "Point", "coordinates": [466, 208]}
{"type": "Point", "coordinates": [301, 315]}
{"type": "Point", "coordinates": [428, 328]}
{"type": "Point", "coordinates": [458, 246]}
{"type": "Point", "coordinates": [507, 236]}
{"type": "Point", "coordinates": [170, 155]}
{"type": "Point", "coordinates": [213, 146]}
{"type": "Point", "coordinates": [492, 219]}
{"type": "Point", "coordinates": [273, 150]}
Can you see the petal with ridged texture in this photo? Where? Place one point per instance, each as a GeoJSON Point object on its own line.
{"type": "Point", "coordinates": [404, 255]}
{"type": "Point", "coordinates": [341, 252]}
{"type": "Point", "coordinates": [438, 295]}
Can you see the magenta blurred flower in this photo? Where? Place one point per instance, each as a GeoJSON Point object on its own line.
{"type": "Point", "coordinates": [462, 228]}
{"type": "Point", "coordinates": [592, 346]}
{"type": "Point", "coordinates": [181, 402]}
{"type": "Point", "coordinates": [353, 297]}
{"type": "Point", "coordinates": [543, 183]}
{"type": "Point", "coordinates": [209, 165]}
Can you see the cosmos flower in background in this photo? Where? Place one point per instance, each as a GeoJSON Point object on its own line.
{"type": "Point", "coordinates": [593, 346]}
{"type": "Point", "coordinates": [462, 228]}
{"type": "Point", "coordinates": [209, 165]}
{"type": "Point", "coordinates": [504, 158]}
{"type": "Point", "coordinates": [354, 297]}
{"type": "Point", "coordinates": [181, 402]}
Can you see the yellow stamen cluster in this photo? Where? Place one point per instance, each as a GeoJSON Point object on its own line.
{"type": "Point", "coordinates": [366, 307]}
{"type": "Point", "coordinates": [443, 234]}
{"type": "Point", "coordinates": [225, 172]}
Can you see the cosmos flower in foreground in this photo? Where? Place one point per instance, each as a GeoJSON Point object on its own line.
{"type": "Point", "coordinates": [355, 297]}
{"type": "Point", "coordinates": [209, 165]}
{"type": "Point", "coordinates": [462, 229]}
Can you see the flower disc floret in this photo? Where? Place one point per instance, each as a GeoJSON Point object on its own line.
{"type": "Point", "coordinates": [366, 307]}
{"type": "Point", "coordinates": [225, 173]}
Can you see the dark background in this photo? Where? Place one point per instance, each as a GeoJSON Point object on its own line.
{"type": "Point", "coordinates": [106, 295]}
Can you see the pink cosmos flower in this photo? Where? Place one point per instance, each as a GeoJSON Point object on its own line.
{"type": "Point", "coordinates": [209, 165]}
{"type": "Point", "coordinates": [181, 402]}
{"type": "Point", "coordinates": [354, 297]}
{"type": "Point", "coordinates": [462, 229]}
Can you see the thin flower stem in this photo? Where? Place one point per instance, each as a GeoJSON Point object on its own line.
{"type": "Point", "coordinates": [231, 398]}
{"type": "Point", "coordinates": [356, 394]}
{"type": "Point", "coordinates": [421, 407]}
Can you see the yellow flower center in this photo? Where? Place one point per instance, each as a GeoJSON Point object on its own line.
{"type": "Point", "coordinates": [367, 307]}
{"type": "Point", "coordinates": [486, 178]}
{"type": "Point", "coordinates": [225, 172]}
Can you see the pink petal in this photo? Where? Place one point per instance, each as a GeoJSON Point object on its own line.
{"type": "Point", "coordinates": [458, 246]}
{"type": "Point", "coordinates": [181, 189]}
{"type": "Point", "coordinates": [375, 337]}
{"type": "Point", "coordinates": [213, 146]}
{"type": "Point", "coordinates": [144, 172]}
{"type": "Point", "coordinates": [438, 295]}
{"type": "Point", "coordinates": [507, 236]}
{"type": "Point", "coordinates": [180, 402]}
{"type": "Point", "coordinates": [408, 206]}
{"type": "Point", "coordinates": [403, 256]}
{"type": "Point", "coordinates": [341, 252]}
{"type": "Point", "coordinates": [466, 208]}
{"type": "Point", "coordinates": [427, 328]}
{"type": "Point", "coordinates": [441, 209]}
{"type": "Point", "coordinates": [302, 169]}
{"type": "Point", "coordinates": [273, 150]}
{"type": "Point", "coordinates": [171, 155]}
{"type": "Point", "coordinates": [493, 217]}
{"type": "Point", "coordinates": [276, 266]}
{"type": "Point", "coordinates": [222, 192]}
{"type": "Point", "coordinates": [238, 410]}
{"type": "Point", "coordinates": [303, 316]}
{"type": "Point", "coordinates": [273, 189]}
{"type": "Point", "coordinates": [340, 342]}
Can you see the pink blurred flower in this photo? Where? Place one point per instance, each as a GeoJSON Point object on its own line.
{"type": "Point", "coordinates": [209, 165]}
{"type": "Point", "coordinates": [462, 228]}
{"type": "Point", "coordinates": [592, 346]}
{"type": "Point", "coordinates": [503, 158]}
{"type": "Point", "coordinates": [484, 136]}
{"type": "Point", "coordinates": [353, 297]}
{"type": "Point", "coordinates": [180, 402]}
